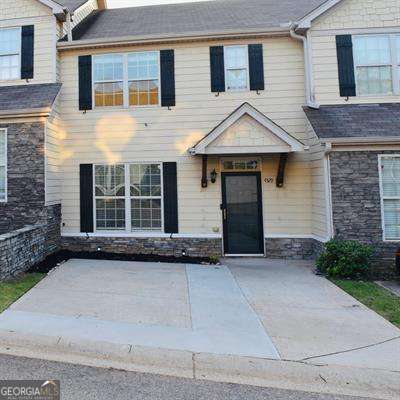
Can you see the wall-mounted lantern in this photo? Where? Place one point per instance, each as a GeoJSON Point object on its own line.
{"type": "Point", "coordinates": [213, 176]}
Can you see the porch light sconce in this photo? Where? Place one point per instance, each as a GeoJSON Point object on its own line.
{"type": "Point", "coordinates": [213, 176]}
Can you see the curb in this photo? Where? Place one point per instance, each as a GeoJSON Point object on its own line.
{"type": "Point", "coordinates": [282, 374]}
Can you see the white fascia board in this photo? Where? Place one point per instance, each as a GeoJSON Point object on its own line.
{"type": "Point", "coordinates": [56, 8]}
{"type": "Point", "coordinates": [305, 22]}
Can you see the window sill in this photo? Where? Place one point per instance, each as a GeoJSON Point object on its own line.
{"type": "Point", "coordinates": [130, 108]}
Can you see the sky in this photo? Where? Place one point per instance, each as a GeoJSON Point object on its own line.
{"type": "Point", "coordinates": [133, 3]}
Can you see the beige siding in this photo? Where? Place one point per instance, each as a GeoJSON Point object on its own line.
{"type": "Point", "coordinates": [351, 16]}
{"type": "Point", "coordinates": [319, 183]}
{"type": "Point", "coordinates": [158, 134]}
{"type": "Point", "coordinates": [15, 13]}
{"type": "Point", "coordinates": [52, 157]}
{"type": "Point", "coordinates": [247, 132]}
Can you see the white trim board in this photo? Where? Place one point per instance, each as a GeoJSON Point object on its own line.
{"type": "Point", "coordinates": [306, 21]}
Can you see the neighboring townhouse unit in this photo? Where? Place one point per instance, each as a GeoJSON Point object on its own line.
{"type": "Point", "coordinates": [223, 127]}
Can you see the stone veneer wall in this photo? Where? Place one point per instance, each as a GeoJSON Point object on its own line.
{"type": "Point", "coordinates": [194, 247]}
{"type": "Point", "coordinates": [293, 248]}
{"type": "Point", "coordinates": [25, 176]}
{"type": "Point", "coordinates": [356, 204]}
{"type": "Point", "coordinates": [21, 249]}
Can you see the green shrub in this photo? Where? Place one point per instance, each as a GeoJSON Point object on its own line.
{"type": "Point", "coordinates": [345, 259]}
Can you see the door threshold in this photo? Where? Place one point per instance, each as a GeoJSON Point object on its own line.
{"type": "Point", "coordinates": [244, 255]}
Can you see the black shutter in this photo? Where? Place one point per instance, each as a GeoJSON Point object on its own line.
{"type": "Point", "coordinates": [217, 68]}
{"type": "Point", "coordinates": [86, 196]}
{"type": "Point", "coordinates": [256, 67]}
{"type": "Point", "coordinates": [85, 82]}
{"type": "Point", "coordinates": [167, 62]}
{"type": "Point", "coordinates": [170, 197]}
{"type": "Point", "coordinates": [344, 49]}
{"type": "Point", "coordinates": [27, 52]}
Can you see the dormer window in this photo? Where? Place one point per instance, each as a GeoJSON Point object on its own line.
{"type": "Point", "coordinates": [10, 53]}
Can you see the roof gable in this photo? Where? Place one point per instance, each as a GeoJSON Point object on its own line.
{"type": "Point", "coordinates": [247, 131]}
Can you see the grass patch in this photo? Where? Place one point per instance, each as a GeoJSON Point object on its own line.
{"type": "Point", "coordinates": [373, 296]}
{"type": "Point", "coordinates": [13, 290]}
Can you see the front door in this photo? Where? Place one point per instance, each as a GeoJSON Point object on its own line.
{"type": "Point", "coordinates": [242, 213]}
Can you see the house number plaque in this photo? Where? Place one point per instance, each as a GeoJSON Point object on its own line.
{"type": "Point", "coordinates": [269, 180]}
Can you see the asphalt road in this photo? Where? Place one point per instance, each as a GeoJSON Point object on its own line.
{"type": "Point", "coordinates": [83, 383]}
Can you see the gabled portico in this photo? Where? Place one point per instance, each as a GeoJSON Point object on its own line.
{"type": "Point", "coordinates": [243, 138]}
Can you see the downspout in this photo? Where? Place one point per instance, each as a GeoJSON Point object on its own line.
{"type": "Point", "coordinates": [307, 67]}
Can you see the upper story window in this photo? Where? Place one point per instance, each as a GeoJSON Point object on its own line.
{"type": "Point", "coordinates": [108, 80]}
{"type": "Point", "coordinates": [377, 60]}
{"type": "Point", "coordinates": [3, 164]}
{"type": "Point", "coordinates": [390, 195]}
{"type": "Point", "coordinates": [126, 79]}
{"type": "Point", "coordinates": [143, 76]}
{"type": "Point", "coordinates": [236, 67]}
{"type": "Point", "coordinates": [10, 53]}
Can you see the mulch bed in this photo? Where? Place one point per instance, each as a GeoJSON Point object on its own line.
{"type": "Point", "coordinates": [55, 259]}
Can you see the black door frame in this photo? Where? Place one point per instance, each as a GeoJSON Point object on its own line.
{"type": "Point", "coordinates": [257, 174]}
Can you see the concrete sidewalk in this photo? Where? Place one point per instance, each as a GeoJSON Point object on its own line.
{"type": "Point", "coordinates": [268, 323]}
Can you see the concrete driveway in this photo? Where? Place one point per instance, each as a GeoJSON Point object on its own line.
{"type": "Point", "coordinates": [248, 309]}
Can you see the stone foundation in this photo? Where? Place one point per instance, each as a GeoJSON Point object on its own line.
{"type": "Point", "coordinates": [356, 205]}
{"type": "Point", "coordinates": [292, 248]}
{"type": "Point", "coordinates": [21, 249]}
{"type": "Point", "coordinates": [194, 247]}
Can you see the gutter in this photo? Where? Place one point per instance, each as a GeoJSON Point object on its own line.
{"type": "Point", "coordinates": [309, 80]}
{"type": "Point", "coordinates": [26, 112]}
{"type": "Point", "coordinates": [191, 36]}
{"type": "Point", "coordinates": [361, 140]}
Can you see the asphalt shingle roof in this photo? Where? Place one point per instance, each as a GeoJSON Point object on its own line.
{"type": "Point", "coordinates": [21, 97]}
{"type": "Point", "coordinates": [355, 120]}
{"type": "Point", "coordinates": [186, 18]}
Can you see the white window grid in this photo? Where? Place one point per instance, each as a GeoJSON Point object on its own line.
{"type": "Point", "coordinates": [128, 198]}
{"type": "Point", "coordinates": [149, 77]}
{"type": "Point", "coordinates": [126, 80]}
{"type": "Point", "coordinates": [3, 151]}
{"type": "Point", "coordinates": [107, 197]}
{"type": "Point", "coordinates": [245, 66]}
{"type": "Point", "coordinates": [394, 63]}
{"type": "Point", "coordinates": [4, 54]}
{"type": "Point", "coordinates": [383, 197]}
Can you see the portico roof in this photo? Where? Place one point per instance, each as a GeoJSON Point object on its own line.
{"type": "Point", "coordinates": [247, 131]}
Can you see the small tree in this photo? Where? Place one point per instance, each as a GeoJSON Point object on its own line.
{"type": "Point", "coordinates": [345, 259]}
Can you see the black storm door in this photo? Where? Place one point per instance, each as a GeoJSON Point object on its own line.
{"type": "Point", "coordinates": [242, 213]}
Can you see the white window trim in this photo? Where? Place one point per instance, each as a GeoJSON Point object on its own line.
{"type": "Point", "coordinates": [393, 63]}
{"type": "Point", "coordinates": [128, 222]}
{"type": "Point", "coordinates": [246, 47]}
{"type": "Point", "coordinates": [382, 197]}
{"type": "Point", "coordinates": [125, 81]}
{"type": "Point", "coordinates": [4, 130]}
{"type": "Point", "coordinates": [14, 54]}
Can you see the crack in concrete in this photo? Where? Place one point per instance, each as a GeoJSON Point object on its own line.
{"type": "Point", "coordinates": [350, 350]}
